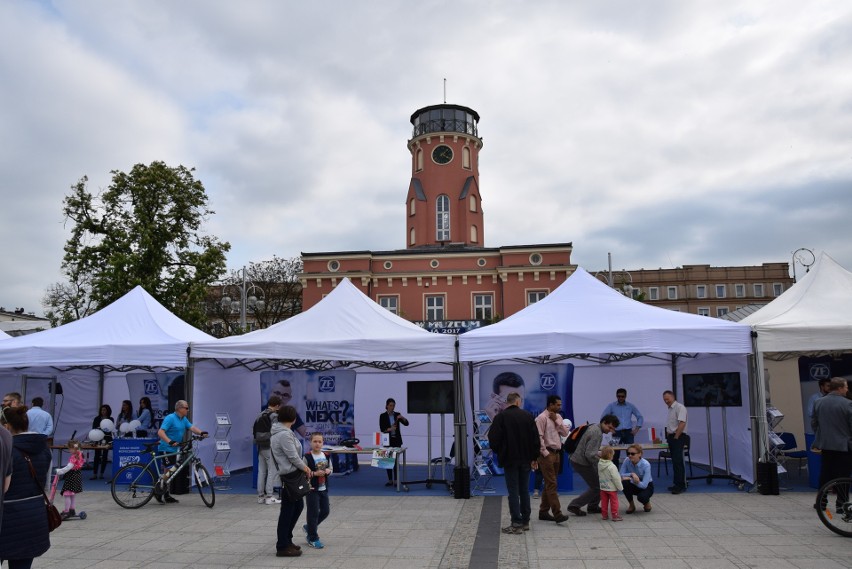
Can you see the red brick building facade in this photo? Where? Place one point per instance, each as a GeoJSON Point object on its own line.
{"type": "Point", "coordinates": [445, 275]}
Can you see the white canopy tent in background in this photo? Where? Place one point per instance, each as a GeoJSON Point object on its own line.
{"type": "Point", "coordinates": [585, 320]}
{"type": "Point", "coordinates": [345, 330]}
{"type": "Point", "coordinates": [813, 317]}
{"type": "Point", "coordinates": [134, 332]}
{"type": "Point", "coordinates": [4, 335]}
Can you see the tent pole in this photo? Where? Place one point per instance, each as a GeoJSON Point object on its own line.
{"type": "Point", "coordinates": [100, 387]}
{"type": "Point", "coordinates": [761, 428]}
{"type": "Point", "coordinates": [189, 378]}
{"type": "Point", "coordinates": [674, 374]}
{"type": "Point", "coordinates": [461, 475]}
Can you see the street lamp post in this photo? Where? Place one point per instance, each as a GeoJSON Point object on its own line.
{"type": "Point", "coordinates": [247, 298]}
{"type": "Point", "coordinates": [805, 257]}
{"type": "Point", "coordinates": [626, 277]}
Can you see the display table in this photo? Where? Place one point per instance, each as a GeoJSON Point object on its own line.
{"type": "Point", "coordinates": [401, 484]}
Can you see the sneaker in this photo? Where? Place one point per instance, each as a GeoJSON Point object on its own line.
{"type": "Point", "coordinates": [261, 499]}
{"type": "Point", "coordinates": [64, 516]}
{"type": "Point", "coordinates": [536, 494]}
{"type": "Point", "coordinates": [576, 511]}
{"type": "Point", "coordinates": [316, 544]}
{"type": "Point", "coordinates": [305, 529]}
{"type": "Point", "coordinates": [289, 551]}
{"type": "Point", "coordinates": [272, 500]}
{"type": "Point", "coordinates": [605, 517]}
{"type": "Point", "coordinates": [525, 527]}
{"type": "Point", "coordinates": [631, 507]}
{"type": "Point", "coordinates": [71, 513]}
{"type": "Point", "coordinates": [617, 518]}
{"type": "Point", "coordinates": [647, 507]}
{"type": "Point", "coordinates": [560, 517]}
{"type": "Point", "coordinates": [170, 500]}
{"type": "Point", "coordinates": [545, 517]}
{"type": "Point", "coordinates": [513, 529]}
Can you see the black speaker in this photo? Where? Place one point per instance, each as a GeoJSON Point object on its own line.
{"type": "Point", "coordinates": [767, 478]}
{"type": "Point", "coordinates": [461, 483]}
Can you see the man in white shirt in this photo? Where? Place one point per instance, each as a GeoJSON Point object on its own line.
{"type": "Point", "coordinates": [676, 437]}
{"type": "Point", "coordinates": [40, 420]}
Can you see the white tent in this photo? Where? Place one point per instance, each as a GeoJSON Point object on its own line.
{"type": "Point", "coordinates": [814, 315]}
{"type": "Point", "coordinates": [135, 330]}
{"type": "Point", "coordinates": [584, 316]}
{"type": "Point", "coordinates": [345, 325]}
{"type": "Point", "coordinates": [4, 335]}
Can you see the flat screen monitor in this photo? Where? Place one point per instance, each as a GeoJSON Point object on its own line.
{"type": "Point", "coordinates": [712, 390]}
{"type": "Point", "coordinates": [431, 397]}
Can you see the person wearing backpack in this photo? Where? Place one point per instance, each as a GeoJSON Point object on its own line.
{"type": "Point", "coordinates": [266, 470]}
{"type": "Point", "coordinates": [584, 461]}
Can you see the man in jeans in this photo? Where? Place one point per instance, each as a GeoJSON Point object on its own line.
{"type": "Point", "coordinates": [266, 471]}
{"type": "Point", "coordinates": [514, 439]}
{"type": "Point", "coordinates": [585, 460]}
{"type": "Point", "coordinates": [550, 431]}
{"type": "Point", "coordinates": [676, 438]}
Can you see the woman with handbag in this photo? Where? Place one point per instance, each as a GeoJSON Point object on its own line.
{"type": "Point", "coordinates": [287, 455]}
{"type": "Point", "coordinates": [24, 534]}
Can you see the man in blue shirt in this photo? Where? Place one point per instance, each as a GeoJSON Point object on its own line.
{"type": "Point", "coordinates": [625, 412]}
{"type": "Point", "coordinates": [171, 433]}
{"type": "Point", "coordinates": [40, 420]}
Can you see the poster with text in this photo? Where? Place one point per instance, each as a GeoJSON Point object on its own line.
{"type": "Point", "coordinates": [324, 400]}
{"type": "Point", "coordinates": [155, 386]}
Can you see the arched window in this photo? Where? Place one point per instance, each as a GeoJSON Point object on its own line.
{"type": "Point", "coordinates": [411, 206]}
{"type": "Point", "coordinates": [411, 236]}
{"type": "Point", "coordinates": [466, 157]}
{"type": "Point", "coordinates": [419, 159]}
{"type": "Point", "coordinates": [472, 202]}
{"type": "Point", "coordinates": [473, 234]}
{"type": "Point", "coordinates": [442, 218]}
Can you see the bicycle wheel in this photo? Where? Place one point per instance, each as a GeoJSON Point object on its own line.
{"type": "Point", "coordinates": [133, 486]}
{"type": "Point", "coordinates": [204, 483]}
{"type": "Point", "coordinates": [834, 506]}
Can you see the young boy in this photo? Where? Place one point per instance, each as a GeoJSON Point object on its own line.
{"type": "Point", "coordinates": [317, 498]}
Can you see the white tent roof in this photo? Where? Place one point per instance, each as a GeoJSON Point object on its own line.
{"type": "Point", "coordinates": [4, 335]}
{"type": "Point", "coordinates": [345, 325]}
{"type": "Point", "coordinates": [584, 316]}
{"type": "Point", "coordinates": [815, 314]}
{"type": "Point", "coordinates": [135, 330]}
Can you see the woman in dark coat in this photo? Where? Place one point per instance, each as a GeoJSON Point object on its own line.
{"type": "Point", "coordinates": [101, 456]}
{"type": "Point", "coordinates": [24, 534]}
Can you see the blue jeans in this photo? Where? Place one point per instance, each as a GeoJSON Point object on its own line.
{"type": "Point", "coordinates": [287, 518]}
{"type": "Point", "coordinates": [517, 484]}
{"type": "Point", "coordinates": [318, 510]}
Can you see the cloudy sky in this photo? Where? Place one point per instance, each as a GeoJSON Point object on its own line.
{"type": "Point", "coordinates": [665, 132]}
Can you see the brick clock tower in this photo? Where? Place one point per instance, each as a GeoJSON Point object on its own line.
{"type": "Point", "coordinates": [445, 279]}
{"type": "Point", "coordinates": [443, 204]}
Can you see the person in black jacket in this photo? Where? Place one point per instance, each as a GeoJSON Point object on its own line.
{"type": "Point", "coordinates": [513, 436]}
{"type": "Point", "coordinates": [389, 422]}
{"type": "Point", "coordinates": [24, 534]}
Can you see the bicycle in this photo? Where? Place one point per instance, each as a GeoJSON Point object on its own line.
{"type": "Point", "coordinates": [839, 518]}
{"type": "Point", "coordinates": [135, 484]}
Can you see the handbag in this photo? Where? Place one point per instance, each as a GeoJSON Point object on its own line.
{"type": "Point", "coordinates": [54, 520]}
{"type": "Point", "coordinates": [294, 486]}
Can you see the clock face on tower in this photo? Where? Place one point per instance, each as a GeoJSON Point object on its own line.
{"type": "Point", "coordinates": [442, 154]}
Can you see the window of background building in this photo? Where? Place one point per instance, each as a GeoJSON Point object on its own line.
{"type": "Point", "coordinates": [390, 303]}
{"type": "Point", "coordinates": [653, 293]}
{"type": "Point", "coordinates": [534, 296]}
{"type": "Point", "coordinates": [701, 291]}
{"type": "Point", "coordinates": [442, 221]}
{"type": "Point", "coordinates": [739, 290]}
{"type": "Point", "coordinates": [434, 308]}
{"type": "Point", "coordinates": [412, 208]}
{"type": "Point", "coordinates": [411, 236]}
{"type": "Point", "coordinates": [474, 237]}
{"type": "Point", "coordinates": [721, 310]}
{"type": "Point", "coordinates": [720, 291]}
{"type": "Point", "coordinates": [636, 293]}
{"type": "Point", "coordinates": [777, 289]}
{"type": "Point", "coordinates": [472, 201]}
{"type": "Point", "coordinates": [483, 306]}
{"type": "Point", "coordinates": [671, 293]}
{"type": "Point", "coordinates": [758, 290]}
{"type": "Point", "coordinates": [704, 311]}
{"type": "Point", "coordinates": [466, 157]}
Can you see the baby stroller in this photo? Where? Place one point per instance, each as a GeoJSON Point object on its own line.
{"type": "Point", "coordinates": [81, 514]}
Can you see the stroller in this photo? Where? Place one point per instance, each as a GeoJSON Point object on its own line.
{"type": "Point", "coordinates": [81, 514]}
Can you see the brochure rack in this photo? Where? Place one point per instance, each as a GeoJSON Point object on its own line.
{"type": "Point", "coordinates": [221, 472]}
{"type": "Point", "coordinates": [482, 471]}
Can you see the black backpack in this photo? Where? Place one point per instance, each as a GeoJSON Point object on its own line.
{"type": "Point", "coordinates": [570, 444]}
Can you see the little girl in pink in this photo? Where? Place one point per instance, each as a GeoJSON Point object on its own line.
{"type": "Point", "coordinates": [73, 480]}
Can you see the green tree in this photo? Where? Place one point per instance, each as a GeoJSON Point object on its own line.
{"type": "Point", "coordinates": [144, 229]}
{"type": "Point", "coordinates": [273, 294]}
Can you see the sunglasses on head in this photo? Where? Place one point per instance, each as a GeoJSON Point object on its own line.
{"type": "Point", "coordinates": [632, 453]}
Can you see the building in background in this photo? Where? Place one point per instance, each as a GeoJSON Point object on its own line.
{"type": "Point", "coordinates": [18, 322]}
{"type": "Point", "coordinates": [445, 278]}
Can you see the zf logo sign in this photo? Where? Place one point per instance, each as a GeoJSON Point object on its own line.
{"type": "Point", "coordinates": [547, 381]}
{"type": "Point", "coordinates": [820, 371]}
{"type": "Point", "coordinates": [326, 383]}
{"type": "Point", "coordinates": [152, 387]}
